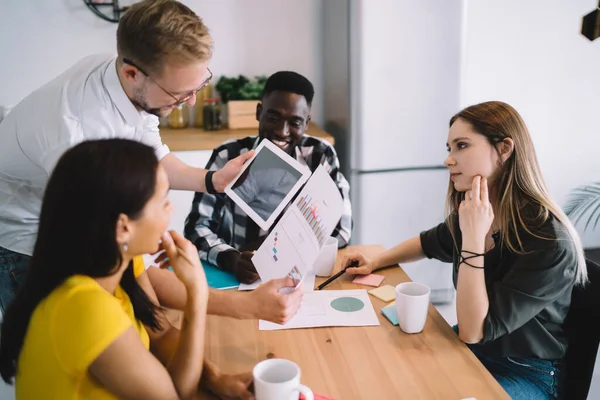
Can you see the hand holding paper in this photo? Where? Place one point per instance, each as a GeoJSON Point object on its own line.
{"type": "Point", "coordinates": [269, 303]}
{"type": "Point", "coordinates": [238, 264]}
{"type": "Point", "coordinates": [330, 308]}
{"type": "Point", "coordinates": [245, 271]}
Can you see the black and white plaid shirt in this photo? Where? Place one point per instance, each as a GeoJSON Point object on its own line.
{"type": "Point", "coordinates": [216, 224]}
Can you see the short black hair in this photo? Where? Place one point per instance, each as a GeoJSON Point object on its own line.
{"type": "Point", "coordinates": [289, 81]}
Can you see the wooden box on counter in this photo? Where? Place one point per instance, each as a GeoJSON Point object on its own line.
{"type": "Point", "coordinates": [241, 114]}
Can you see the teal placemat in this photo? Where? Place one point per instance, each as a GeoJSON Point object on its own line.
{"type": "Point", "coordinates": [219, 279]}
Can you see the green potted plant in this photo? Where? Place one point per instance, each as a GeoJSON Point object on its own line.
{"type": "Point", "coordinates": [584, 201]}
{"type": "Point", "coordinates": [241, 95]}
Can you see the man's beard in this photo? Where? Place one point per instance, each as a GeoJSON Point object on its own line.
{"type": "Point", "coordinates": [153, 111]}
{"type": "Point", "coordinates": [140, 102]}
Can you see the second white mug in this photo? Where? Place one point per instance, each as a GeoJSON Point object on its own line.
{"type": "Point", "coordinates": [412, 304]}
{"type": "Point", "coordinates": [278, 379]}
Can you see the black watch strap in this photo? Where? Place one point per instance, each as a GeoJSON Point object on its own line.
{"type": "Point", "coordinates": [210, 188]}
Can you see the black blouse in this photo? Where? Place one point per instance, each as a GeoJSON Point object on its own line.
{"type": "Point", "coordinates": [529, 294]}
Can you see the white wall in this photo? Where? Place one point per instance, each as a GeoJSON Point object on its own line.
{"type": "Point", "coordinates": [41, 38]}
{"type": "Point", "coordinates": [531, 55]}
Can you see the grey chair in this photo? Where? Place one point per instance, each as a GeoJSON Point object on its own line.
{"type": "Point", "coordinates": [583, 336]}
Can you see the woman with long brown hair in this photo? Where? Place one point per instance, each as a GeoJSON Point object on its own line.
{"type": "Point", "coordinates": [516, 255]}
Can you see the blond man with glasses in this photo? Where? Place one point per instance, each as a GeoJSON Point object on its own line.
{"type": "Point", "coordinates": [163, 51]}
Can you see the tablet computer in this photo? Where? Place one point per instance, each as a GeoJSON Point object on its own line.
{"type": "Point", "coordinates": [267, 183]}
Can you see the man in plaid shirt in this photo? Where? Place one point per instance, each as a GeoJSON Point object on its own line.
{"type": "Point", "coordinates": [224, 235]}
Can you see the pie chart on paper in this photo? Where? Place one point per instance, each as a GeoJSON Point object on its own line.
{"type": "Point", "coordinates": [321, 308]}
{"type": "Point", "coordinates": [347, 304]}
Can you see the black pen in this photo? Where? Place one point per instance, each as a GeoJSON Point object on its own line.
{"type": "Point", "coordinates": [353, 264]}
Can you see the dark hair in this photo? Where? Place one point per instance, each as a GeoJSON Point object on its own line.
{"type": "Point", "coordinates": [289, 81]}
{"type": "Point", "coordinates": [92, 184]}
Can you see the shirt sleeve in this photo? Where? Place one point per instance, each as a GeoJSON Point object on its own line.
{"type": "Point", "coordinates": [151, 137]}
{"type": "Point", "coordinates": [331, 164]}
{"type": "Point", "coordinates": [535, 280]}
{"type": "Point", "coordinates": [438, 243]}
{"type": "Point", "coordinates": [84, 325]}
{"type": "Point", "coordinates": [204, 220]}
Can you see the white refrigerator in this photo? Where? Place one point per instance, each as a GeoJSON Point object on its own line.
{"type": "Point", "coordinates": [392, 79]}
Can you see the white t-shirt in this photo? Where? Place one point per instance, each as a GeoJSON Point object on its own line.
{"type": "Point", "coordinates": [85, 102]}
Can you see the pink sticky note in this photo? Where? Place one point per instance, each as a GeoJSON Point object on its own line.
{"type": "Point", "coordinates": [371, 280]}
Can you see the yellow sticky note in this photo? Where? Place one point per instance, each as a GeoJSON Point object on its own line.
{"type": "Point", "coordinates": [384, 293]}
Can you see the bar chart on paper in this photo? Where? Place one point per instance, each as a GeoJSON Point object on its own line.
{"type": "Point", "coordinates": [310, 212]}
{"type": "Point", "coordinates": [302, 230]}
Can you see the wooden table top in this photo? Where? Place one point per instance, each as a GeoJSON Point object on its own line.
{"type": "Point", "coordinates": [189, 139]}
{"type": "Point", "coordinates": [346, 363]}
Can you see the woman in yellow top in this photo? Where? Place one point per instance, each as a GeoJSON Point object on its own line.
{"type": "Point", "coordinates": [77, 327]}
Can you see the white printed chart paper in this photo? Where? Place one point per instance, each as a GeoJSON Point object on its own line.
{"type": "Point", "coordinates": [330, 308]}
{"type": "Point", "coordinates": [294, 243]}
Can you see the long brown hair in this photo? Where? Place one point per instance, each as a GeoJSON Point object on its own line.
{"type": "Point", "coordinates": [519, 185]}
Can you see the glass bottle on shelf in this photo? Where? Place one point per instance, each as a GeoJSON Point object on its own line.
{"type": "Point", "coordinates": [211, 114]}
{"type": "Point", "coordinates": [178, 117]}
{"type": "Point", "coordinates": [204, 93]}
{"type": "Point", "coordinates": [163, 122]}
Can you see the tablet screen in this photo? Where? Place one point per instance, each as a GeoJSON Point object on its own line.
{"type": "Point", "coordinates": [266, 182]}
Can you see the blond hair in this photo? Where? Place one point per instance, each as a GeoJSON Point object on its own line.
{"type": "Point", "coordinates": [154, 32]}
{"type": "Point", "coordinates": [519, 184]}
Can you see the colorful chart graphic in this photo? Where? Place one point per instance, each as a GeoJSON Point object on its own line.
{"type": "Point", "coordinates": [310, 212]}
{"type": "Point", "coordinates": [275, 247]}
{"type": "Point", "coordinates": [347, 304]}
{"type": "Point", "coordinates": [295, 274]}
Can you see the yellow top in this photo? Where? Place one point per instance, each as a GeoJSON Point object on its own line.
{"type": "Point", "coordinates": [138, 266]}
{"type": "Point", "coordinates": [68, 330]}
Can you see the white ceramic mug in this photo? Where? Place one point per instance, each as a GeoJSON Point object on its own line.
{"type": "Point", "coordinates": [278, 379]}
{"type": "Point", "coordinates": [325, 261]}
{"type": "Point", "coordinates": [412, 304]}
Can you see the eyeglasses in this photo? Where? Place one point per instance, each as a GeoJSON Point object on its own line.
{"type": "Point", "coordinates": [178, 101]}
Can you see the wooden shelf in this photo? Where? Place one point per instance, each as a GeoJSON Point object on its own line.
{"type": "Point", "coordinates": [190, 139]}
